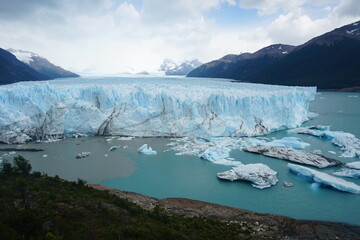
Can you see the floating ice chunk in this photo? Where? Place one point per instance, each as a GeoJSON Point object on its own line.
{"type": "Point", "coordinates": [12, 153]}
{"type": "Point", "coordinates": [349, 144]}
{"type": "Point", "coordinates": [106, 155]}
{"type": "Point", "coordinates": [44, 156]}
{"type": "Point", "coordinates": [332, 152]}
{"type": "Point", "coordinates": [289, 142]}
{"type": "Point", "coordinates": [294, 155]}
{"type": "Point", "coordinates": [125, 138]}
{"type": "Point", "coordinates": [125, 146]}
{"type": "Point", "coordinates": [147, 150]}
{"type": "Point", "coordinates": [317, 151]}
{"type": "Point", "coordinates": [218, 155]}
{"type": "Point", "coordinates": [260, 175]}
{"type": "Point", "coordinates": [324, 179]}
{"type": "Point", "coordinates": [288, 184]}
{"type": "Point", "coordinates": [83, 155]}
{"type": "Point", "coordinates": [354, 165]}
{"type": "Point", "coordinates": [113, 148]}
{"type": "Point", "coordinates": [346, 172]}
{"type": "Point", "coordinates": [213, 154]}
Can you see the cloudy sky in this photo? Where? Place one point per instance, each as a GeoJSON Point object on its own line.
{"type": "Point", "coordinates": [114, 36]}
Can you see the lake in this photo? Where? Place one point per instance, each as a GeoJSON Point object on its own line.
{"type": "Point", "coordinates": [169, 175]}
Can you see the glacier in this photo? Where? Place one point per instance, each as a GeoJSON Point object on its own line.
{"type": "Point", "coordinates": [134, 106]}
{"type": "Point", "coordinates": [324, 179]}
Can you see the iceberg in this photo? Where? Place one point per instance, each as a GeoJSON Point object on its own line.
{"type": "Point", "coordinates": [346, 172]}
{"type": "Point", "coordinates": [147, 150]}
{"type": "Point", "coordinates": [324, 179]}
{"type": "Point", "coordinates": [349, 144]}
{"type": "Point", "coordinates": [288, 142]}
{"type": "Point", "coordinates": [218, 155]}
{"type": "Point", "coordinates": [138, 107]}
{"type": "Point", "coordinates": [113, 148]}
{"type": "Point", "coordinates": [260, 175]}
{"type": "Point", "coordinates": [294, 155]}
{"type": "Point", "coordinates": [354, 165]}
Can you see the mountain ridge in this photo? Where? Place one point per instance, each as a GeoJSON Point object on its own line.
{"type": "Point", "coordinates": [28, 66]}
{"type": "Point", "coordinates": [329, 61]}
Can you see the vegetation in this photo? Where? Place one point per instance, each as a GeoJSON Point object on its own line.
{"type": "Point", "coordinates": [35, 206]}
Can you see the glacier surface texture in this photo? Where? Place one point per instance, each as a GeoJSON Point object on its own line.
{"type": "Point", "coordinates": [148, 107]}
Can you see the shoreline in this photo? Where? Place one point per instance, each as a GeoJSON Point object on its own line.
{"type": "Point", "coordinates": [265, 225]}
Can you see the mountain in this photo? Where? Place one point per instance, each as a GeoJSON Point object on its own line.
{"type": "Point", "coordinates": [41, 64]}
{"type": "Point", "coordinates": [243, 64]}
{"type": "Point", "coordinates": [171, 68]}
{"type": "Point", "coordinates": [12, 70]}
{"type": "Point", "coordinates": [330, 61]}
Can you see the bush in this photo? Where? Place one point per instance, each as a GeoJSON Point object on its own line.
{"type": "Point", "coordinates": [81, 181]}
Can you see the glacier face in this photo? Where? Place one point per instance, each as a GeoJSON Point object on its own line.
{"type": "Point", "coordinates": [148, 107]}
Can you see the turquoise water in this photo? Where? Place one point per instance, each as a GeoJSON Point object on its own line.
{"type": "Point", "coordinates": [168, 175]}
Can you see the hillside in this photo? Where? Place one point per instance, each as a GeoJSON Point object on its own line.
{"type": "Point", "coordinates": [329, 61]}
{"type": "Point", "coordinates": [18, 65]}
{"type": "Point", "coordinates": [41, 64]}
{"type": "Point", "coordinates": [12, 70]}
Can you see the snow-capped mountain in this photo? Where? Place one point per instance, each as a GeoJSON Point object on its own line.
{"type": "Point", "coordinates": [171, 68]}
{"type": "Point", "coordinates": [41, 64]}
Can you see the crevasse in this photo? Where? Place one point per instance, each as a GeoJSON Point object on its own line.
{"type": "Point", "coordinates": [148, 107]}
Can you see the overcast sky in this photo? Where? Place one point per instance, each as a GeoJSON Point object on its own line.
{"type": "Point", "coordinates": [114, 36]}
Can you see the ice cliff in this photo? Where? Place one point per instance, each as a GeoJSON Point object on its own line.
{"type": "Point", "coordinates": [148, 107]}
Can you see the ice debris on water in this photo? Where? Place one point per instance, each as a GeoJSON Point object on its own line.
{"type": "Point", "coordinates": [324, 179]}
{"type": "Point", "coordinates": [217, 149]}
{"type": "Point", "coordinates": [147, 150]}
{"type": "Point", "coordinates": [349, 144]}
{"type": "Point", "coordinates": [260, 175]}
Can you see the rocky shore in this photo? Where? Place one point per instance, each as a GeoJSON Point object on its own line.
{"type": "Point", "coordinates": [260, 225]}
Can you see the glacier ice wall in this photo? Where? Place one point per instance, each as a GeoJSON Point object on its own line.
{"type": "Point", "coordinates": [148, 107]}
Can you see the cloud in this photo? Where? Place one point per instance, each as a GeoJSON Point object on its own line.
{"type": "Point", "coordinates": [109, 36]}
{"type": "Point", "coordinates": [348, 8]}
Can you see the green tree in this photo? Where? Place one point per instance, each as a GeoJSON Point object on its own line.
{"type": "Point", "coordinates": [22, 166]}
{"type": "Point", "coordinates": [6, 168]}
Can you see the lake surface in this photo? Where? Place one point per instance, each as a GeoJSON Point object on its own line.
{"type": "Point", "coordinates": [169, 175]}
